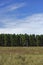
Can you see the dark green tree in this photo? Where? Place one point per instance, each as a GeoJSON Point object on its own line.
{"type": "Point", "coordinates": [32, 40]}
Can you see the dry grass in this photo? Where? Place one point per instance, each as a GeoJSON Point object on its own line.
{"type": "Point", "coordinates": [21, 50]}
{"type": "Point", "coordinates": [21, 55]}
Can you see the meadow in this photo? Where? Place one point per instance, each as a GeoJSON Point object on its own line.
{"type": "Point", "coordinates": [21, 55]}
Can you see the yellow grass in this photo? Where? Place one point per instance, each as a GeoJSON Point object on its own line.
{"type": "Point", "coordinates": [21, 55]}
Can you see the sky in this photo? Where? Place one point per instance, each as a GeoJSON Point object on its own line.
{"type": "Point", "coordinates": [21, 16]}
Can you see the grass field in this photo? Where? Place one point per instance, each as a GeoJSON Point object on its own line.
{"type": "Point", "coordinates": [21, 55]}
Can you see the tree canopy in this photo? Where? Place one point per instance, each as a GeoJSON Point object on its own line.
{"type": "Point", "coordinates": [21, 40]}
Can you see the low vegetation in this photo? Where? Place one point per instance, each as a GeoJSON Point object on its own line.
{"type": "Point", "coordinates": [21, 55]}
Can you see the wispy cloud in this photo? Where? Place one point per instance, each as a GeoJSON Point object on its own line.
{"type": "Point", "coordinates": [15, 6]}
{"type": "Point", "coordinates": [31, 24]}
{"type": "Point", "coordinates": [11, 7]}
{"type": "Point", "coordinates": [21, 17]}
{"type": "Point", "coordinates": [2, 3]}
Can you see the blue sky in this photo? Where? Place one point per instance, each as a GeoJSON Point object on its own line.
{"type": "Point", "coordinates": [21, 16]}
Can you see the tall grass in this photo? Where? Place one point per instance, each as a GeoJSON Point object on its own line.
{"type": "Point", "coordinates": [8, 56]}
{"type": "Point", "coordinates": [11, 59]}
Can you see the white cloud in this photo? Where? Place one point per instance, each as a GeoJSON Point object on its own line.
{"type": "Point", "coordinates": [10, 7]}
{"type": "Point", "coordinates": [16, 6]}
{"type": "Point", "coordinates": [31, 24]}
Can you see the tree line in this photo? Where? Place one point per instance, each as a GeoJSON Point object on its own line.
{"type": "Point", "coordinates": [21, 40]}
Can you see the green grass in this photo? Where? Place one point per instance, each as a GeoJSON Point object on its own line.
{"type": "Point", "coordinates": [21, 55]}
